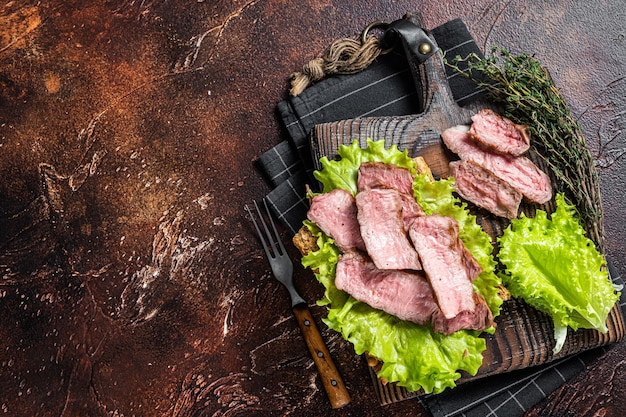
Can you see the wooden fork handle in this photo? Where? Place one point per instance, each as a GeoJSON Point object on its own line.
{"type": "Point", "coordinates": [333, 384]}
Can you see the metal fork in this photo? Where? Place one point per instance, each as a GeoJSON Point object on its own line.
{"type": "Point", "coordinates": [282, 268]}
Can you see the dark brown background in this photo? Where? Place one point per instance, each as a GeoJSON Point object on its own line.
{"type": "Point", "coordinates": [131, 282]}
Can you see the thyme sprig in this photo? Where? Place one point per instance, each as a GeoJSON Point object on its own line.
{"type": "Point", "coordinates": [528, 95]}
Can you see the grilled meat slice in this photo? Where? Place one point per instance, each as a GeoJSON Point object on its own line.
{"type": "Point", "coordinates": [448, 265]}
{"type": "Point", "coordinates": [499, 134]}
{"type": "Point", "coordinates": [381, 175]}
{"type": "Point", "coordinates": [406, 295]}
{"type": "Point", "coordinates": [520, 172]}
{"type": "Point", "coordinates": [379, 213]}
{"type": "Point", "coordinates": [481, 187]}
{"type": "Point", "coordinates": [336, 214]}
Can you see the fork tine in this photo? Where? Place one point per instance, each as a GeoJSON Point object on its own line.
{"type": "Point", "coordinates": [264, 232]}
{"type": "Point", "coordinates": [268, 234]}
{"type": "Point", "coordinates": [258, 230]}
{"type": "Point", "coordinates": [276, 235]}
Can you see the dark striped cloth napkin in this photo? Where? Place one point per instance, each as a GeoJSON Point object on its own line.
{"type": "Point", "coordinates": [387, 88]}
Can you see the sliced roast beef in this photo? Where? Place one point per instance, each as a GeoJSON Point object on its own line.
{"type": "Point", "coordinates": [410, 210]}
{"type": "Point", "coordinates": [406, 295]}
{"type": "Point", "coordinates": [381, 175]}
{"type": "Point", "coordinates": [519, 172]}
{"type": "Point", "coordinates": [446, 262]}
{"type": "Point", "coordinates": [479, 319]}
{"type": "Point", "coordinates": [378, 175]}
{"type": "Point", "coordinates": [452, 135]}
{"type": "Point", "coordinates": [499, 134]}
{"type": "Point", "coordinates": [481, 187]}
{"type": "Point", "coordinates": [335, 214]}
{"type": "Point", "coordinates": [379, 213]}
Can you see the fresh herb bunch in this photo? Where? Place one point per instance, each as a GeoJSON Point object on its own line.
{"type": "Point", "coordinates": [525, 89]}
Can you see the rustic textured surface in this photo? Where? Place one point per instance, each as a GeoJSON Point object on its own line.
{"type": "Point", "coordinates": [130, 282]}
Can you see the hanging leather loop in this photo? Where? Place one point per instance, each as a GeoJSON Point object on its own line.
{"type": "Point", "coordinates": [417, 46]}
{"type": "Point", "coordinates": [414, 39]}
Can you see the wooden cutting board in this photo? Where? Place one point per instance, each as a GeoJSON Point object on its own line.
{"type": "Point", "coordinates": [524, 336]}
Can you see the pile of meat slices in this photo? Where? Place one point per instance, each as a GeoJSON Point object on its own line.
{"type": "Point", "coordinates": [413, 266]}
{"type": "Point", "coordinates": [492, 172]}
{"type": "Point", "coordinates": [397, 259]}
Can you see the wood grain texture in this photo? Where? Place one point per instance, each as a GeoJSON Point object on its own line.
{"type": "Point", "coordinates": [331, 379]}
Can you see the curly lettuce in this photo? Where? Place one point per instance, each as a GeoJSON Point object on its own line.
{"type": "Point", "coordinates": [554, 267]}
{"type": "Point", "coordinates": [413, 355]}
{"type": "Point", "coordinates": [343, 172]}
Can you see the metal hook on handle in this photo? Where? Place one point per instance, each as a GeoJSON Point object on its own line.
{"type": "Point", "coordinates": [378, 24]}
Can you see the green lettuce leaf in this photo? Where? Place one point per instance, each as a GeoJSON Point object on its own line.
{"type": "Point", "coordinates": [413, 356]}
{"type": "Point", "coordinates": [343, 172]}
{"type": "Point", "coordinates": [554, 267]}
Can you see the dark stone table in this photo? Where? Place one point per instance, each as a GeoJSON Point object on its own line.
{"type": "Point", "coordinates": [131, 283]}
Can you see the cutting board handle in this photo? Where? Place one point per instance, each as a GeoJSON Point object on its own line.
{"type": "Point", "coordinates": [440, 111]}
